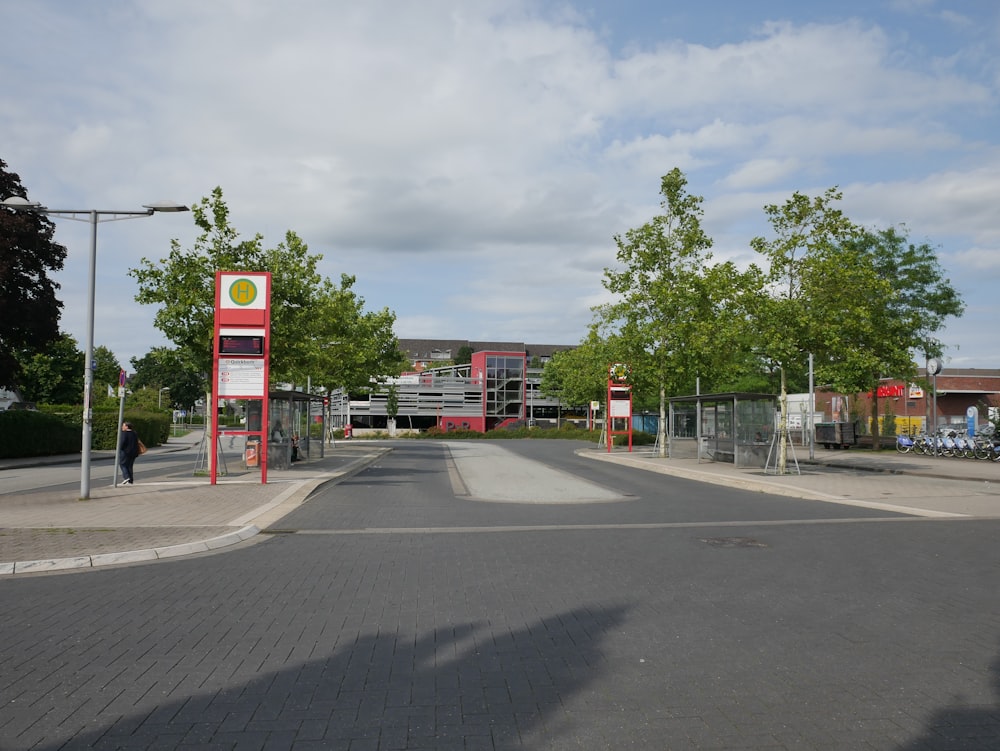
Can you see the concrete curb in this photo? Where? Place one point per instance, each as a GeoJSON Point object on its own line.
{"type": "Point", "coordinates": [133, 556]}
{"type": "Point", "coordinates": [264, 515]}
{"type": "Point", "coordinates": [763, 486]}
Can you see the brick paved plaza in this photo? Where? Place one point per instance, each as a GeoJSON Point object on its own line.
{"type": "Point", "coordinates": [400, 609]}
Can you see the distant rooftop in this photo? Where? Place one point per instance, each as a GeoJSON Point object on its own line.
{"type": "Point", "coordinates": [439, 350]}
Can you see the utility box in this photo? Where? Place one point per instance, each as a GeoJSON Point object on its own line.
{"type": "Point", "coordinates": [836, 435]}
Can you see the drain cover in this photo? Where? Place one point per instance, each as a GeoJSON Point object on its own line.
{"type": "Point", "coordinates": [733, 542]}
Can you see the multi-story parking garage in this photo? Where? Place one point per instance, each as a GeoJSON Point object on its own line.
{"type": "Point", "coordinates": [498, 388]}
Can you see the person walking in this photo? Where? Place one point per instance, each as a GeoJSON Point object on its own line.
{"type": "Point", "coordinates": [128, 450]}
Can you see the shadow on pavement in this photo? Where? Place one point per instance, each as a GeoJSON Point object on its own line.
{"type": "Point", "coordinates": [963, 728]}
{"type": "Point", "coordinates": [467, 685]}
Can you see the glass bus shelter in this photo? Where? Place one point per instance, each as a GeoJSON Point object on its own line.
{"type": "Point", "coordinates": [733, 427]}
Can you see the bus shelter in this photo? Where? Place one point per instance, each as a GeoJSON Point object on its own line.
{"type": "Point", "coordinates": [293, 418]}
{"type": "Point", "coordinates": [733, 427]}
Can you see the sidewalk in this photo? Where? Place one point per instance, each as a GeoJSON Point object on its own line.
{"type": "Point", "coordinates": [927, 486]}
{"type": "Point", "coordinates": [46, 530]}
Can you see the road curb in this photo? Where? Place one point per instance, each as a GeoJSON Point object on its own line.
{"type": "Point", "coordinates": [250, 525]}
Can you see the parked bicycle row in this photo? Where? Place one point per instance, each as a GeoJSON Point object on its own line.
{"type": "Point", "coordinates": [951, 443]}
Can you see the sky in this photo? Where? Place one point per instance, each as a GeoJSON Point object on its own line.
{"type": "Point", "coordinates": [471, 161]}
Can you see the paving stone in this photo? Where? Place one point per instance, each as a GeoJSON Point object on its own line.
{"type": "Point", "coordinates": [401, 616]}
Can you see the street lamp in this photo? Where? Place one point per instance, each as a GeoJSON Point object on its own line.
{"type": "Point", "coordinates": [159, 399]}
{"type": "Point", "coordinates": [93, 217]}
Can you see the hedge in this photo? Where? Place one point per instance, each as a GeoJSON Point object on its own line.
{"type": "Point", "coordinates": [57, 429]}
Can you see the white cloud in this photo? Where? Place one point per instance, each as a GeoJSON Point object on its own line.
{"type": "Point", "coordinates": [487, 150]}
{"type": "Point", "coordinates": [759, 172]}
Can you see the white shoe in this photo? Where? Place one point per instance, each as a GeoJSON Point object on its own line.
{"type": "Point", "coordinates": [127, 482]}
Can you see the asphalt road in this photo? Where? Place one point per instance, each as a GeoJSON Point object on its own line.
{"type": "Point", "coordinates": [421, 605]}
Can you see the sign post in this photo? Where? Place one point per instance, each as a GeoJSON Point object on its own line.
{"type": "Point", "coordinates": [241, 355]}
{"type": "Point", "coordinates": [619, 402]}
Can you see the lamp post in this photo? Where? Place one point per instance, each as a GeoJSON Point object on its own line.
{"type": "Point", "coordinates": [159, 398]}
{"type": "Point", "coordinates": [93, 217]}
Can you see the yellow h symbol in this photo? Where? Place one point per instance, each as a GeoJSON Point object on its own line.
{"type": "Point", "coordinates": [242, 292]}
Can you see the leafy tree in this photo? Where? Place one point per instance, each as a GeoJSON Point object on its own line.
{"type": "Point", "coordinates": [675, 310]}
{"type": "Point", "coordinates": [302, 303]}
{"type": "Point", "coordinates": [54, 376]}
{"type": "Point", "coordinates": [464, 355]}
{"type": "Point", "coordinates": [163, 367]}
{"type": "Point", "coordinates": [579, 376]}
{"type": "Point", "coordinates": [804, 263]}
{"type": "Point", "coordinates": [863, 301]}
{"type": "Point", "coordinates": [392, 404]}
{"type": "Point", "coordinates": [29, 310]}
{"type": "Point", "coordinates": [875, 335]}
{"type": "Point", "coordinates": [347, 347]}
{"type": "Point", "coordinates": [183, 284]}
{"type": "Point", "coordinates": [106, 368]}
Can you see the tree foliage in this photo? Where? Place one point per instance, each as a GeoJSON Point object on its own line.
{"type": "Point", "coordinates": [464, 355]}
{"type": "Point", "coordinates": [862, 301]}
{"type": "Point", "coordinates": [675, 311]}
{"type": "Point", "coordinates": [809, 234]}
{"type": "Point", "coordinates": [54, 376]}
{"type": "Point", "coordinates": [106, 368]}
{"type": "Point", "coordinates": [877, 334]}
{"type": "Point", "coordinates": [29, 309]}
{"type": "Point", "coordinates": [308, 312]}
{"type": "Point", "coordinates": [346, 346]}
{"type": "Point", "coordinates": [163, 367]}
{"type": "Point", "coordinates": [579, 376]}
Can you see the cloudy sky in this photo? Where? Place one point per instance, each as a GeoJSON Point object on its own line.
{"type": "Point", "coordinates": [470, 161]}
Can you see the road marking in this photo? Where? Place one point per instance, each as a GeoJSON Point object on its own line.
{"type": "Point", "coordinates": [604, 527]}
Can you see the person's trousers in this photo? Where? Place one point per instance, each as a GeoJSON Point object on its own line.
{"type": "Point", "coordinates": [126, 467]}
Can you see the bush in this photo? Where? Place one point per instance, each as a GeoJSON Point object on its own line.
{"type": "Point", "coordinates": [29, 433]}
{"type": "Point", "coordinates": [152, 427]}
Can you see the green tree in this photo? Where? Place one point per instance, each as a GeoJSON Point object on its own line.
{"type": "Point", "coordinates": [464, 355]}
{"type": "Point", "coordinates": [876, 335]}
{"type": "Point", "coordinates": [183, 285]}
{"type": "Point", "coordinates": [29, 310]}
{"type": "Point", "coordinates": [392, 404]}
{"type": "Point", "coordinates": [579, 376]}
{"type": "Point", "coordinates": [346, 346]}
{"type": "Point", "coordinates": [106, 369]}
{"type": "Point", "coordinates": [675, 310]}
{"type": "Point", "coordinates": [54, 376]}
{"type": "Point", "coordinates": [862, 301]}
{"type": "Point", "coordinates": [163, 367]}
{"type": "Point", "coordinates": [805, 251]}
{"type": "Point", "coordinates": [319, 330]}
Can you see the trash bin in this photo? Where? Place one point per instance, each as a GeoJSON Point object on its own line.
{"type": "Point", "coordinates": [251, 456]}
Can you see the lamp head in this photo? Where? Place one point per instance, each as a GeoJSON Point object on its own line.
{"type": "Point", "coordinates": [20, 204]}
{"type": "Point", "coordinates": [165, 206]}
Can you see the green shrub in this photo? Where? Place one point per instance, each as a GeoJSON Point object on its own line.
{"type": "Point", "coordinates": [153, 429]}
{"type": "Point", "coordinates": [28, 433]}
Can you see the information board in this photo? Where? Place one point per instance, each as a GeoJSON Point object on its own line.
{"type": "Point", "coordinates": [241, 377]}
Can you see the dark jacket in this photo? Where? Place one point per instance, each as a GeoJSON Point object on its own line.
{"type": "Point", "coordinates": [129, 446]}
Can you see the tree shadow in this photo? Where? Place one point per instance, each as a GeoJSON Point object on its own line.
{"type": "Point", "coordinates": [963, 728]}
{"type": "Point", "coordinates": [464, 685]}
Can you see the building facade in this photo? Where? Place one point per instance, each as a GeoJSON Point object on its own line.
{"type": "Point", "coordinates": [942, 401]}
